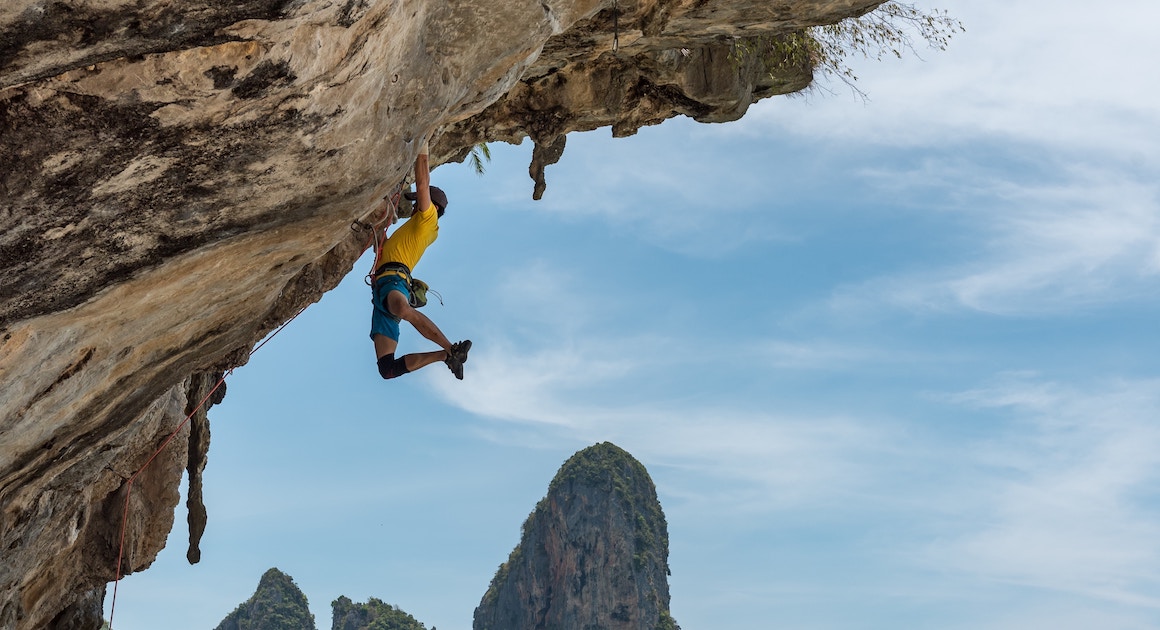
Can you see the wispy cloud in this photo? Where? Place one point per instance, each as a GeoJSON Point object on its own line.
{"type": "Point", "coordinates": [1091, 238]}
{"type": "Point", "coordinates": [1068, 503]}
{"type": "Point", "coordinates": [1011, 75]}
{"type": "Point", "coordinates": [1044, 151]}
{"type": "Point", "coordinates": [541, 295]}
{"type": "Point", "coordinates": [579, 385]}
{"type": "Point", "coordinates": [760, 459]}
{"type": "Point", "coordinates": [1057, 495]}
{"type": "Point", "coordinates": [515, 386]}
{"type": "Point", "coordinates": [822, 354]}
{"type": "Point", "coordinates": [1094, 240]}
{"type": "Point", "coordinates": [664, 190]}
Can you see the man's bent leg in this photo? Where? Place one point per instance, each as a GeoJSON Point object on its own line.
{"type": "Point", "coordinates": [452, 355]}
{"type": "Point", "coordinates": [423, 359]}
{"type": "Point", "coordinates": [384, 345]}
{"type": "Point", "coordinates": [390, 367]}
{"type": "Point", "coordinates": [401, 308]}
{"type": "Point", "coordinates": [394, 367]}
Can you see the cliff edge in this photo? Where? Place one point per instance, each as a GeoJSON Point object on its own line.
{"type": "Point", "coordinates": [178, 178]}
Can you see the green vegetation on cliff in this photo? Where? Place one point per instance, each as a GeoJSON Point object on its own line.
{"type": "Point", "coordinates": [667, 622]}
{"type": "Point", "coordinates": [887, 31]}
{"type": "Point", "coordinates": [278, 604]}
{"type": "Point", "coordinates": [373, 615]}
{"type": "Point", "coordinates": [608, 466]}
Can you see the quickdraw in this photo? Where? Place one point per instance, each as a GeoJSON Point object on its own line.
{"type": "Point", "coordinates": [378, 229]}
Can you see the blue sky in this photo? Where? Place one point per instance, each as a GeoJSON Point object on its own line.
{"type": "Point", "coordinates": [890, 363]}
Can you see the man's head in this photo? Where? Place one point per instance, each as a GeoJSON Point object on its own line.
{"type": "Point", "coordinates": [438, 197]}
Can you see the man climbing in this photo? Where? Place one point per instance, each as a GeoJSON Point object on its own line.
{"type": "Point", "coordinates": [391, 291]}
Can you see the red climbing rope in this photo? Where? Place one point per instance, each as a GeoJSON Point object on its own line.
{"type": "Point", "coordinates": [376, 237]}
{"type": "Point", "coordinates": [378, 229]}
{"type": "Point", "coordinates": [129, 484]}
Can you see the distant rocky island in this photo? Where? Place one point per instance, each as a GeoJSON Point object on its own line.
{"type": "Point", "coordinates": [278, 604]}
{"type": "Point", "coordinates": [594, 554]}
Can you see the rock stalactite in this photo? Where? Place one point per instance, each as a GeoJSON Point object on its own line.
{"type": "Point", "coordinates": [177, 178]}
{"type": "Point", "coordinates": [205, 390]}
{"type": "Point", "coordinates": [543, 155]}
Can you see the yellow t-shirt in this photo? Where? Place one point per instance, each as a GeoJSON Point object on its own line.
{"type": "Point", "coordinates": [411, 239]}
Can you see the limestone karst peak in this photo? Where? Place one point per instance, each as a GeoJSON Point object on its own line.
{"type": "Point", "coordinates": [594, 553]}
{"type": "Point", "coordinates": [277, 604]}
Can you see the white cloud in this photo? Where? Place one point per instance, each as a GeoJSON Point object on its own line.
{"type": "Point", "coordinates": [1057, 499]}
{"type": "Point", "coordinates": [660, 187]}
{"type": "Point", "coordinates": [1067, 503]}
{"type": "Point", "coordinates": [1091, 239]}
{"type": "Point", "coordinates": [544, 295]}
{"type": "Point", "coordinates": [1051, 146]}
{"type": "Point", "coordinates": [1062, 612]}
{"type": "Point", "coordinates": [823, 354]}
{"type": "Point", "coordinates": [1050, 73]}
{"type": "Point", "coordinates": [1053, 255]}
{"type": "Point", "coordinates": [515, 386]}
{"type": "Point", "coordinates": [733, 453]}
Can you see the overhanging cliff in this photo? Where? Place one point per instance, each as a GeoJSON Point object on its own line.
{"type": "Point", "coordinates": [178, 178]}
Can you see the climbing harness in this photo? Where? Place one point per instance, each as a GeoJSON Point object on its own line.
{"type": "Point", "coordinates": [133, 477]}
{"type": "Point", "coordinates": [418, 288]}
{"type": "Point", "coordinates": [377, 228]}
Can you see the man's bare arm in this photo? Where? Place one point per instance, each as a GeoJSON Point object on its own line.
{"type": "Point", "coordinates": [422, 180]}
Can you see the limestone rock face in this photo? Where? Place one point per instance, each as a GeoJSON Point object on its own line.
{"type": "Point", "coordinates": [594, 553]}
{"type": "Point", "coordinates": [179, 177]}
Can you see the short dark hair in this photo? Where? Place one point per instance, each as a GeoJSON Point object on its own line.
{"type": "Point", "coordinates": [439, 198]}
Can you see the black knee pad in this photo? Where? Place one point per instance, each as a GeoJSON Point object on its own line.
{"type": "Point", "coordinates": [390, 367]}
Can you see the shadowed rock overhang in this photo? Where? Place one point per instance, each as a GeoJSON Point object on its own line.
{"type": "Point", "coordinates": [178, 178]}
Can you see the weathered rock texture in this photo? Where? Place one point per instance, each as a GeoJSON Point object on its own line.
{"type": "Point", "coordinates": [594, 553]}
{"type": "Point", "coordinates": [177, 178]}
{"type": "Point", "coordinates": [277, 604]}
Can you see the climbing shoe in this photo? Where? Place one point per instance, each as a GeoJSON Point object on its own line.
{"type": "Point", "coordinates": [459, 350]}
{"type": "Point", "coordinates": [457, 356]}
{"type": "Point", "coordinates": [455, 365]}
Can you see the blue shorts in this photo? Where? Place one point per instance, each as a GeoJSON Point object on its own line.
{"type": "Point", "coordinates": [382, 322]}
